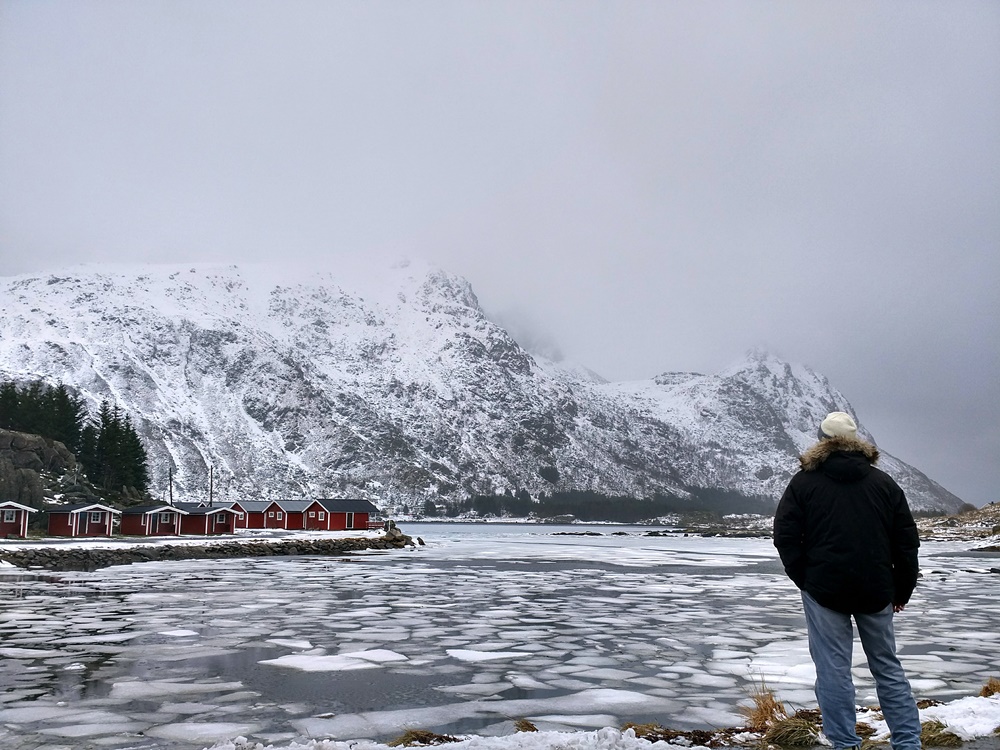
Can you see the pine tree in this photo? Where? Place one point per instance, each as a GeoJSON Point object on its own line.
{"type": "Point", "coordinates": [108, 448]}
{"type": "Point", "coordinates": [33, 409]}
{"type": "Point", "coordinates": [67, 415]}
{"type": "Point", "coordinates": [10, 405]}
{"type": "Point", "coordinates": [87, 453]}
{"type": "Point", "coordinates": [134, 463]}
{"type": "Point", "coordinates": [107, 469]}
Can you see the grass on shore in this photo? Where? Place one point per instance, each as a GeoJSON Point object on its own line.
{"type": "Point", "coordinates": [768, 725]}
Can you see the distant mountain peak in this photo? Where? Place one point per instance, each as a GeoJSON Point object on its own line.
{"type": "Point", "coordinates": [389, 381]}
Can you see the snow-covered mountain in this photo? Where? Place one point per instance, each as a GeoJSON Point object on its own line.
{"type": "Point", "coordinates": [394, 384]}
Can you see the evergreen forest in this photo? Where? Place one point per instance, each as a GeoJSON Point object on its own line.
{"type": "Point", "coordinates": [106, 445]}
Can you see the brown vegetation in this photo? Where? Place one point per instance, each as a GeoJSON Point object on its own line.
{"type": "Point", "coordinates": [990, 688]}
{"type": "Point", "coordinates": [934, 734]}
{"type": "Point", "coordinates": [421, 737]}
{"type": "Point", "coordinates": [794, 731]}
{"type": "Point", "coordinates": [766, 710]}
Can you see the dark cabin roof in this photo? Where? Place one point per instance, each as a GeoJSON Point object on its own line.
{"type": "Point", "coordinates": [255, 506]}
{"type": "Point", "coordinates": [195, 509]}
{"type": "Point", "coordinates": [345, 505]}
{"type": "Point", "coordinates": [81, 507]}
{"type": "Point", "coordinates": [138, 510]}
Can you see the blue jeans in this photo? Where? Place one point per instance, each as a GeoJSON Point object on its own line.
{"type": "Point", "coordinates": [831, 639]}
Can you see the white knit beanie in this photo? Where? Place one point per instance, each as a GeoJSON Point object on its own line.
{"type": "Point", "coordinates": [838, 424]}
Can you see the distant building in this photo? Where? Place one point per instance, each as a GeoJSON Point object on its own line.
{"type": "Point", "coordinates": [207, 520]}
{"type": "Point", "coordinates": [344, 514]}
{"type": "Point", "coordinates": [152, 520]}
{"type": "Point", "coordinates": [14, 519]}
{"type": "Point", "coordinates": [91, 519]}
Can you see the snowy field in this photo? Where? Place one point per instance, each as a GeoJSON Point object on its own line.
{"type": "Point", "coordinates": [484, 625]}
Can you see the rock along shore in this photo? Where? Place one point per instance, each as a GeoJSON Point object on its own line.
{"type": "Point", "coordinates": [86, 558]}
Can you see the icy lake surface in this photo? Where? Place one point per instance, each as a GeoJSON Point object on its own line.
{"type": "Point", "coordinates": [483, 625]}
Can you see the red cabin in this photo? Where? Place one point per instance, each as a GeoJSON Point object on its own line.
{"type": "Point", "coordinates": [256, 514]}
{"type": "Point", "coordinates": [242, 518]}
{"type": "Point", "coordinates": [152, 520]}
{"type": "Point", "coordinates": [342, 514]}
{"type": "Point", "coordinates": [14, 519]}
{"type": "Point", "coordinates": [295, 513]}
{"type": "Point", "coordinates": [82, 520]}
{"type": "Point", "coordinates": [207, 520]}
{"type": "Point", "coordinates": [275, 516]}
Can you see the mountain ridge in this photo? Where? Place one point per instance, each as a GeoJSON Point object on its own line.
{"type": "Point", "coordinates": [394, 384]}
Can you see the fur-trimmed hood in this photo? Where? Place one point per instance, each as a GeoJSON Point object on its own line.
{"type": "Point", "coordinates": [814, 457]}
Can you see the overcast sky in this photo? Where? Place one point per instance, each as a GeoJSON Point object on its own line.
{"type": "Point", "coordinates": [648, 186]}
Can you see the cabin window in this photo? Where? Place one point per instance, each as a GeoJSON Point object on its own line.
{"type": "Point", "coordinates": [280, 515]}
{"type": "Point", "coordinates": [270, 514]}
{"type": "Point", "coordinates": [322, 516]}
{"type": "Point", "coordinates": [95, 517]}
{"type": "Point", "coordinates": [312, 514]}
{"type": "Point", "coordinates": [220, 517]}
{"type": "Point", "coordinates": [350, 520]}
{"type": "Point", "coordinates": [9, 516]}
{"type": "Point", "coordinates": [240, 516]}
{"type": "Point", "coordinates": [165, 517]}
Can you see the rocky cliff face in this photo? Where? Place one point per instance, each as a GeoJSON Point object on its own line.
{"type": "Point", "coordinates": [393, 384]}
{"type": "Point", "coordinates": [34, 470]}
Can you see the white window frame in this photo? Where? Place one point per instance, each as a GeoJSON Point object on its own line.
{"type": "Point", "coordinates": [349, 521]}
{"type": "Point", "coordinates": [96, 516]}
{"type": "Point", "coordinates": [240, 516]}
{"type": "Point", "coordinates": [270, 514]}
{"type": "Point", "coordinates": [281, 516]}
{"type": "Point", "coordinates": [322, 516]}
{"type": "Point", "coordinates": [9, 516]}
{"type": "Point", "coordinates": [312, 514]}
{"type": "Point", "coordinates": [166, 517]}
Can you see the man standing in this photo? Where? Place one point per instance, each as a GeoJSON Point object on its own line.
{"type": "Point", "coordinates": [847, 539]}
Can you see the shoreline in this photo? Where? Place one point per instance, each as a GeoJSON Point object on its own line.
{"type": "Point", "coordinates": [51, 557]}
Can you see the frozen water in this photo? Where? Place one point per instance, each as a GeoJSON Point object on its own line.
{"type": "Point", "coordinates": [463, 654]}
{"type": "Point", "coordinates": [200, 733]}
{"type": "Point", "coordinates": [484, 624]}
{"type": "Point", "coordinates": [313, 662]}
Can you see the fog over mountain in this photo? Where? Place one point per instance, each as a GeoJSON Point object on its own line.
{"type": "Point", "coordinates": [394, 384]}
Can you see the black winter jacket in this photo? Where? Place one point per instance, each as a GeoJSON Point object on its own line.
{"type": "Point", "coordinates": [844, 531]}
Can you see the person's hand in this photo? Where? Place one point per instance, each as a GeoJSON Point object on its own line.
{"type": "Point", "coordinates": [897, 608]}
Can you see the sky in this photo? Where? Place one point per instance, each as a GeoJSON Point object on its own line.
{"type": "Point", "coordinates": [641, 186]}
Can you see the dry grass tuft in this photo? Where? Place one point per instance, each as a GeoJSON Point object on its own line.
{"type": "Point", "coordinates": [412, 737]}
{"type": "Point", "coordinates": [766, 710]}
{"type": "Point", "coordinates": [523, 725]}
{"type": "Point", "coordinates": [992, 687]}
{"type": "Point", "coordinates": [928, 703]}
{"type": "Point", "coordinates": [792, 732]}
{"type": "Point", "coordinates": [810, 714]}
{"type": "Point", "coordinates": [934, 734]}
{"type": "Point", "coordinates": [863, 731]}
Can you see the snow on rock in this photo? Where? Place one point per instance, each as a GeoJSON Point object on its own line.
{"type": "Point", "coordinates": [393, 384]}
{"type": "Point", "coordinates": [967, 717]}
